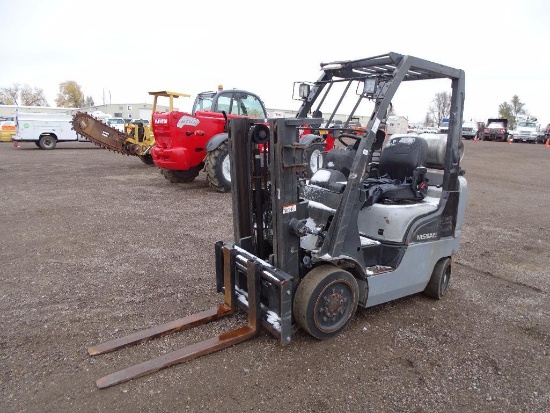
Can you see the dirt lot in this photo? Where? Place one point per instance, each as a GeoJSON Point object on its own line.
{"type": "Point", "coordinates": [95, 245]}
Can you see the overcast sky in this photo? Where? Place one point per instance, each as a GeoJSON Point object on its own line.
{"type": "Point", "coordinates": [123, 49]}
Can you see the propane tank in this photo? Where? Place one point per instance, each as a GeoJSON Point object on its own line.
{"type": "Point", "coordinates": [437, 145]}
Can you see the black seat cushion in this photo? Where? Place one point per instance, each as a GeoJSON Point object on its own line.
{"type": "Point", "coordinates": [340, 159]}
{"type": "Point", "coordinates": [330, 179]}
{"type": "Point", "coordinates": [401, 156]}
{"type": "Point", "coordinates": [402, 172]}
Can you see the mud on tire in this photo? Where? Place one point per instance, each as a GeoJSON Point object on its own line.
{"type": "Point", "coordinates": [218, 172]}
{"type": "Point", "coordinates": [180, 176]}
{"type": "Point", "coordinates": [47, 142]}
{"type": "Point", "coordinates": [147, 159]}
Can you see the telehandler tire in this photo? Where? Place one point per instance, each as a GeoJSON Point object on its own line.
{"type": "Point", "coordinates": [325, 301]}
{"type": "Point", "coordinates": [439, 282]}
{"type": "Point", "coordinates": [178, 177]}
{"type": "Point", "coordinates": [47, 142]}
{"type": "Point", "coordinates": [218, 168]}
{"type": "Point", "coordinates": [315, 158]}
{"type": "Point", "coordinates": [147, 159]}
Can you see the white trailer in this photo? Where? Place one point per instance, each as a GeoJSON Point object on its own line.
{"type": "Point", "coordinates": [45, 129]}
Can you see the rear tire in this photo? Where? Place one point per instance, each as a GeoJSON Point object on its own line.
{"type": "Point", "coordinates": [325, 301]}
{"type": "Point", "coordinates": [47, 142]}
{"type": "Point", "coordinates": [179, 177]}
{"type": "Point", "coordinates": [147, 159]}
{"type": "Point", "coordinates": [439, 282]}
{"type": "Point", "coordinates": [218, 168]}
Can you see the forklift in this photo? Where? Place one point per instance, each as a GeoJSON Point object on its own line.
{"type": "Point", "coordinates": [373, 224]}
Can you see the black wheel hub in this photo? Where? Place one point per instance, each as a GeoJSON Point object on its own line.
{"type": "Point", "coordinates": [333, 307]}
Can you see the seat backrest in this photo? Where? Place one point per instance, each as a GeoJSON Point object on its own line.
{"type": "Point", "coordinates": [340, 160]}
{"type": "Point", "coordinates": [401, 156]}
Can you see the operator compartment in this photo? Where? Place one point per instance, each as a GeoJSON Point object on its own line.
{"type": "Point", "coordinates": [405, 189]}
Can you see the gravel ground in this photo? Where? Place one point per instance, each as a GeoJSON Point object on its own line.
{"type": "Point", "coordinates": [96, 245]}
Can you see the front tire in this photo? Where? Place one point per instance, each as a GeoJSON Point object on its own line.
{"type": "Point", "coordinates": [325, 301]}
{"type": "Point", "coordinates": [178, 177]}
{"type": "Point", "coordinates": [47, 142]}
{"type": "Point", "coordinates": [146, 159]}
{"type": "Point", "coordinates": [218, 168]}
{"type": "Point", "coordinates": [439, 282]}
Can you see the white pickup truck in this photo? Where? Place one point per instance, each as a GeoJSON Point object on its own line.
{"type": "Point", "coordinates": [45, 129]}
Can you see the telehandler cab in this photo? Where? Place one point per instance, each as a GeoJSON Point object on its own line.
{"type": "Point", "coordinates": [360, 232]}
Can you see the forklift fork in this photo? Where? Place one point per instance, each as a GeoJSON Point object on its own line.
{"type": "Point", "coordinates": [190, 352]}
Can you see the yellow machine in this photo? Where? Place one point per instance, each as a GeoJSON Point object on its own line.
{"type": "Point", "coordinates": [7, 130]}
{"type": "Point", "coordinates": [138, 138]}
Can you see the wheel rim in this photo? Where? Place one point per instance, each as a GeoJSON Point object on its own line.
{"type": "Point", "coordinates": [48, 142]}
{"type": "Point", "coordinates": [334, 306]}
{"type": "Point", "coordinates": [226, 168]}
{"type": "Point", "coordinates": [316, 161]}
{"type": "Point", "coordinates": [445, 279]}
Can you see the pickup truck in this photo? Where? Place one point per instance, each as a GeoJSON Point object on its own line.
{"type": "Point", "coordinates": [469, 130]}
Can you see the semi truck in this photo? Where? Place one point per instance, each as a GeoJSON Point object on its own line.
{"type": "Point", "coordinates": [527, 129]}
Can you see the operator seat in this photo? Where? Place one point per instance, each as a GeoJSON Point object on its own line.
{"type": "Point", "coordinates": [342, 159]}
{"type": "Point", "coordinates": [402, 172]}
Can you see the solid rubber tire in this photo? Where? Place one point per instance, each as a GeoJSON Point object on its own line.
{"type": "Point", "coordinates": [316, 288]}
{"type": "Point", "coordinates": [439, 281]}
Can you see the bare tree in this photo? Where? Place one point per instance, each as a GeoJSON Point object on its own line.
{"type": "Point", "coordinates": [10, 95]}
{"type": "Point", "coordinates": [441, 107]}
{"type": "Point", "coordinates": [33, 96]}
{"type": "Point", "coordinates": [428, 119]}
{"type": "Point", "coordinates": [22, 95]}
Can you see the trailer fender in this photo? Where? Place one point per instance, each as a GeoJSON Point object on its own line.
{"type": "Point", "coordinates": [216, 141]}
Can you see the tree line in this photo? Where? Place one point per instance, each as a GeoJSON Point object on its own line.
{"type": "Point", "coordinates": [70, 95]}
{"type": "Point", "coordinates": [441, 108]}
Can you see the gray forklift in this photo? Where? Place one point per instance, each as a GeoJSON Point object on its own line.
{"type": "Point", "coordinates": [373, 224]}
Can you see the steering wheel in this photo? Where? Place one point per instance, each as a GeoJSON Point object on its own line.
{"type": "Point", "coordinates": [348, 135]}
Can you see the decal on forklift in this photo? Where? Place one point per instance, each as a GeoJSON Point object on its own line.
{"type": "Point", "coordinates": [161, 121]}
{"type": "Point", "coordinates": [289, 208]}
{"type": "Point", "coordinates": [427, 236]}
{"type": "Point", "coordinates": [187, 121]}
